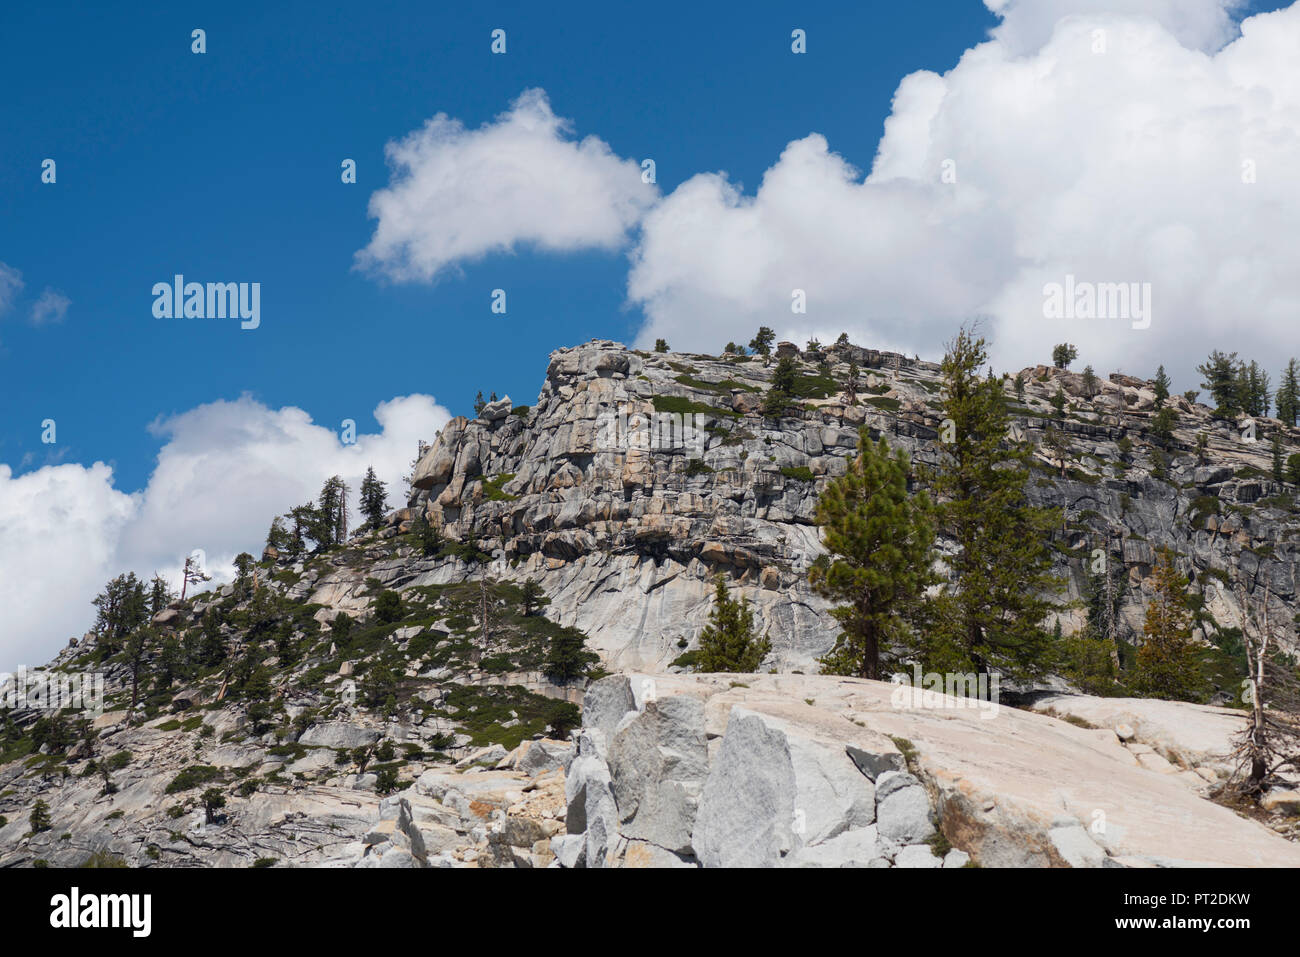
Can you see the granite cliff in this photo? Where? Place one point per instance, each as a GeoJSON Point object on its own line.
{"type": "Point", "coordinates": [636, 477]}
{"type": "Point", "coordinates": [386, 703]}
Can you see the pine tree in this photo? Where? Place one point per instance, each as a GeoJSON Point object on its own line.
{"type": "Point", "coordinates": [1279, 464]}
{"type": "Point", "coordinates": [331, 513]}
{"type": "Point", "coordinates": [567, 656]}
{"type": "Point", "coordinates": [762, 343]}
{"type": "Point", "coordinates": [1090, 384]}
{"type": "Point", "coordinates": [170, 663]}
{"type": "Point", "coordinates": [243, 574]}
{"type": "Point", "coordinates": [1103, 595]}
{"type": "Point", "coordinates": [661, 345]}
{"type": "Point", "coordinates": [212, 648]}
{"type": "Point", "coordinates": [479, 403]}
{"type": "Point", "coordinates": [532, 597]}
{"type": "Point", "coordinates": [425, 534]}
{"type": "Point", "coordinates": [388, 607]}
{"type": "Point", "coordinates": [1221, 381]}
{"type": "Point", "coordinates": [1063, 354]}
{"type": "Point", "coordinates": [341, 630]}
{"type": "Point", "coordinates": [879, 539]}
{"type": "Point", "coordinates": [1168, 664]}
{"type": "Point", "coordinates": [1253, 389]}
{"type": "Point", "coordinates": [303, 518]}
{"type": "Point", "coordinates": [1162, 384]}
{"type": "Point", "coordinates": [851, 384]}
{"type": "Point", "coordinates": [121, 608]}
{"type": "Point", "coordinates": [160, 594]}
{"type": "Point", "coordinates": [1162, 426]}
{"type": "Point", "coordinates": [192, 574]}
{"type": "Point", "coordinates": [278, 536]}
{"type": "Point", "coordinates": [1288, 394]}
{"type": "Point", "coordinates": [373, 499]}
{"type": "Point", "coordinates": [783, 376]}
{"type": "Point", "coordinates": [39, 819]}
{"type": "Point", "coordinates": [378, 686]}
{"type": "Point", "coordinates": [137, 646]}
{"type": "Point", "coordinates": [991, 613]}
{"type": "Point", "coordinates": [783, 383]}
{"type": "Point", "coordinates": [728, 641]}
{"type": "Point", "coordinates": [1058, 402]}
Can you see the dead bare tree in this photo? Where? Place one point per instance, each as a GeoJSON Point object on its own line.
{"type": "Point", "coordinates": [484, 624]}
{"type": "Point", "coordinates": [851, 384]}
{"type": "Point", "coordinates": [1270, 742]}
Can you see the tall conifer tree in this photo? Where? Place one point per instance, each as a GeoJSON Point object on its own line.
{"type": "Point", "coordinates": [1168, 664]}
{"type": "Point", "coordinates": [879, 538]}
{"type": "Point", "coordinates": [991, 613]}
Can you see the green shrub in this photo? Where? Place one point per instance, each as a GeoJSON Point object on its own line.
{"type": "Point", "coordinates": [492, 488]}
{"type": "Point", "coordinates": [118, 761]}
{"type": "Point", "coordinates": [386, 778]}
{"type": "Point", "coordinates": [813, 387]}
{"type": "Point", "coordinates": [388, 607]}
{"type": "Point", "coordinates": [1203, 507]}
{"type": "Point", "coordinates": [193, 776]}
{"type": "Point", "coordinates": [684, 406]}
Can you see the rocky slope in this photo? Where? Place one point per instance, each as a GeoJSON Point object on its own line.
{"type": "Point", "coordinates": [420, 737]}
{"type": "Point", "coordinates": [423, 705]}
{"type": "Point", "coordinates": [626, 532]}
{"type": "Point", "coordinates": [817, 771]}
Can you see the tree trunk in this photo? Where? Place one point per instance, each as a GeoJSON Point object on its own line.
{"type": "Point", "coordinates": [135, 687]}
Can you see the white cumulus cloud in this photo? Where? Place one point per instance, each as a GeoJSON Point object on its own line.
{"type": "Point", "coordinates": [58, 529]}
{"type": "Point", "coordinates": [1199, 24]}
{"type": "Point", "coordinates": [456, 195]}
{"type": "Point", "coordinates": [1150, 161]}
{"type": "Point", "coordinates": [226, 469]}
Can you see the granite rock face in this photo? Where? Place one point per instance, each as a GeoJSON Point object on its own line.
{"type": "Point", "coordinates": [637, 477]}
{"type": "Point", "coordinates": [787, 784]}
{"type": "Point", "coordinates": [632, 481]}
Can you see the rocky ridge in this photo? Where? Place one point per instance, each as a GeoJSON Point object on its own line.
{"type": "Point", "coordinates": [626, 536]}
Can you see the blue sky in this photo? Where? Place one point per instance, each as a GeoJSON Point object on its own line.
{"type": "Point", "coordinates": [225, 166]}
{"type": "Point", "coordinates": [921, 165]}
